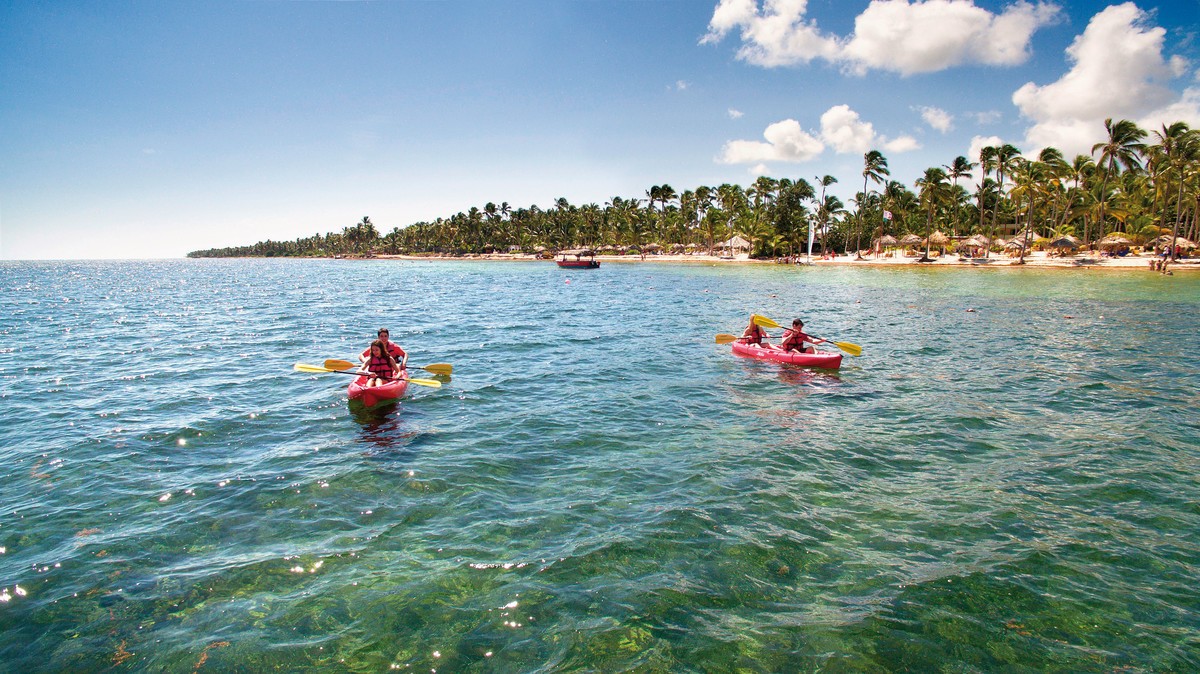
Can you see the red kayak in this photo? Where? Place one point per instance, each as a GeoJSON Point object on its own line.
{"type": "Point", "coordinates": [373, 395]}
{"type": "Point", "coordinates": [829, 361]}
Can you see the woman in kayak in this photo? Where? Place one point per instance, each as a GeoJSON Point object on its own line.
{"type": "Point", "coordinates": [380, 364]}
{"type": "Point", "coordinates": [794, 339]}
{"type": "Point", "coordinates": [753, 334]}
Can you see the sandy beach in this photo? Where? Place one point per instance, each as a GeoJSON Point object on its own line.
{"type": "Point", "coordinates": [1036, 259]}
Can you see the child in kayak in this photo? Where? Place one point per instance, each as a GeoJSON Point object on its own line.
{"type": "Point", "coordinates": [380, 364]}
{"type": "Point", "coordinates": [794, 339]}
{"type": "Point", "coordinates": [753, 334]}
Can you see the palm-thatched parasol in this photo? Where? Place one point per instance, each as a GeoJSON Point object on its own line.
{"type": "Point", "coordinates": [1065, 242]}
{"type": "Point", "coordinates": [886, 240]}
{"type": "Point", "coordinates": [1166, 240]}
{"type": "Point", "coordinates": [1113, 240]}
{"type": "Point", "coordinates": [1015, 244]}
{"type": "Point", "coordinates": [911, 240]}
{"type": "Point", "coordinates": [938, 239]}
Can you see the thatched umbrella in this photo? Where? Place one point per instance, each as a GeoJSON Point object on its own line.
{"type": "Point", "coordinates": [911, 240]}
{"type": "Point", "coordinates": [1113, 240]}
{"type": "Point", "coordinates": [1065, 242]}
{"type": "Point", "coordinates": [1015, 244]}
{"type": "Point", "coordinates": [1166, 240]}
{"type": "Point", "coordinates": [938, 239]}
{"type": "Point", "coordinates": [652, 246]}
{"type": "Point", "coordinates": [885, 241]}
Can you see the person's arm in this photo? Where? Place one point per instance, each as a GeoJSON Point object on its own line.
{"type": "Point", "coordinates": [403, 357]}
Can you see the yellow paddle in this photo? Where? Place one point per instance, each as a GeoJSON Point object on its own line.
{"type": "Point", "coordinates": [436, 368]}
{"type": "Point", "coordinates": [726, 338]}
{"type": "Point", "coordinates": [852, 349]}
{"type": "Point", "coordinates": [301, 367]}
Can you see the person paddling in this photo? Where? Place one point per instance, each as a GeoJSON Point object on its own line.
{"type": "Point", "coordinates": [753, 334]}
{"type": "Point", "coordinates": [393, 349]}
{"type": "Point", "coordinates": [794, 339]}
{"type": "Point", "coordinates": [379, 365]}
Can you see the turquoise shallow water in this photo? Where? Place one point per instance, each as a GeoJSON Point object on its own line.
{"type": "Point", "coordinates": [600, 487]}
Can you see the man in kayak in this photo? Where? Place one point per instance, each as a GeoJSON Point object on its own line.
{"type": "Point", "coordinates": [392, 348]}
{"type": "Point", "coordinates": [794, 339]}
{"type": "Point", "coordinates": [753, 334]}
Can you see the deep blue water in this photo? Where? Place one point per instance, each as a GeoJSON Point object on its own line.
{"type": "Point", "coordinates": [599, 487]}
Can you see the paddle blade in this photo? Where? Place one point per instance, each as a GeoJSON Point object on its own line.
{"type": "Point", "coordinates": [431, 383]}
{"type": "Point", "coordinates": [340, 364]}
{"type": "Point", "coordinates": [439, 368]}
{"type": "Point", "coordinates": [852, 349]}
{"type": "Point", "coordinates": [302, 367]}
{"type": "Point", "coordinates": [725, 338]}
{"type": "Point", "coordinates": [765, 322]}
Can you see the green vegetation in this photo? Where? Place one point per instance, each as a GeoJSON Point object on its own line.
{"type": "Point", "coordinates": [1126, 186]}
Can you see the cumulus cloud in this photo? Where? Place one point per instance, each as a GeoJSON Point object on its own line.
{"type": "Point", "coordinates": [900, 144]}
{"type": "Point", "coordinates": [895, 35]}
{"type": "Point", "coordinates": [735, 114]}
{"type": "Point", "coordinates": [785, 141]}
{"type": "Point", "coordinates": [986, 117]}
{"type": "Point", "coordinates": [1118, 71]}
{"type": "Point", "coordinates": [681, 85]}
{"type": "Point", "coordinates": [937, 118]}
{"type": "Point", "coordinates": [841, 128]}
{"type": "Point", "coordinates": [775, 35]}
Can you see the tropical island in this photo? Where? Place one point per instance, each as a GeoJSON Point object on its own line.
{"type": "Point", "coordinates": [1137, 192]}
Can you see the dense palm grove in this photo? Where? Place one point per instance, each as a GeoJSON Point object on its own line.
{"type": "Point", "coordinates": [1140, 184]}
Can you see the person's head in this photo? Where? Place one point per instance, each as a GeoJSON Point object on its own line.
{"type": "Point", "coordinates": [797, 324]}
{"type": "Point", "coordinates": [378, 349]}
{"type": "Point", "coordinates": [383, 335]}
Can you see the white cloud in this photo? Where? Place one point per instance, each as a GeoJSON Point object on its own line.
{"type": "Point", "coordinates": [735, 114]}
{"type": "Point", "coordinates": [786, 141]}
{"type": "Point", "coordinates": [896, 35]}
{"type": "Point", "coordinates": [987, 117]}
{"type": "Point", "coordinates": [776, 35]}
{"type": "Point", "coordinates": [937, 118]}
{"type": "Point", "coordinates": [1119, 72]}
{"type": "Point", "coordinates": [760, 170]}
{"type": "Point", "coordinates": [681, 85]}
{"type": "Point", "coordinates": [900, 144]}
{"type": "Point", "coordinates": [842, 128]}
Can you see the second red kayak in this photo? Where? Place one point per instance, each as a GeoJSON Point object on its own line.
{"type": "Point", "coordinates": [373, 395]}
{"type": "Point", "coordinates": [829, 361]}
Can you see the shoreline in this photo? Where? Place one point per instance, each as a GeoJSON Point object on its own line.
{"type": "Point", "coordinates": [1035, 260]}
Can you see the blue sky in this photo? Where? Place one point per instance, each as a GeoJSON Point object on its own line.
{"type": "Point", "coordinates": [147, 129]}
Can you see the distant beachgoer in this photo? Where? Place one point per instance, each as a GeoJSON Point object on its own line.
{"type": "Point", "coordinates": [794, 339]}
{"type": "Point", "coordinates": [380, 364]}
{"type": "Point", "coordinates": [753, 334]}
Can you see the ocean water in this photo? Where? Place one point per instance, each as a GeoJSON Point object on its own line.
{"type": "Point", "coordinates": [1006, 480]}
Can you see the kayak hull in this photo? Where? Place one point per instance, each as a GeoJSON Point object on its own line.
{"type": "Point", "coordinates": [373, 395]}
{"type": "Point", "coordinates": [579, 264]}
{"type": "Point", "coordinates": [828, 361]}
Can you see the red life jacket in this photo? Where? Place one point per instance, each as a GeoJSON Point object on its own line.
{"type": "Point", "coordinates": [794, 339]}
{"type": "Point", "coordinates": [380, 366]}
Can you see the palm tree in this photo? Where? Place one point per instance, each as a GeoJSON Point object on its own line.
{"type": "Point", "coordinates": [1006, 156]}
{"type": "Point", "coordinates": [1122, 148]}
{"type": "Point", "coordinates": [1179, 146]}
{"type": "Point", "coordinates": [959, 168]}
{"type": "Point", "coordinates": [934, 191]}
{"type": "Point", "coordinates": [822, 215]}
{"type": "Point", "coordinates": [875, 168]}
